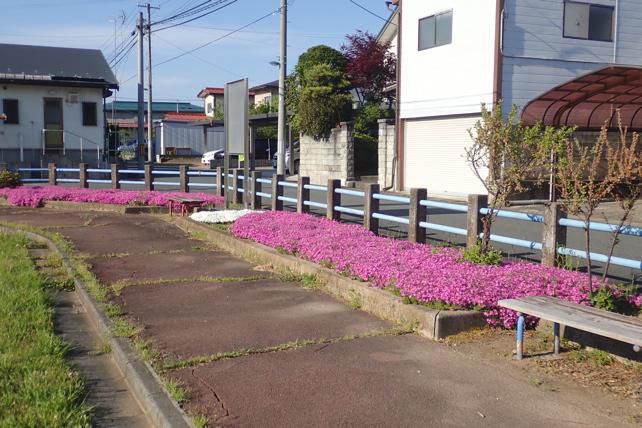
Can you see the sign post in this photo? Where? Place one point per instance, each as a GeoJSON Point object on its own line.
{"type": "Point", "coordinates": [236, 131]}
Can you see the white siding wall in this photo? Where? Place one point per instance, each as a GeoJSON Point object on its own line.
{"type": "Point", "coordinates": [537, 57]}
{"type": "Point", "coordinates": [450, 79]}
{"type": "Point", "coordinates": [31, 116]}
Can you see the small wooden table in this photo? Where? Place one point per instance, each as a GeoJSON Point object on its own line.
{"type": "Point", "coordinates": [615, 326]}
{"type": "Point", "coordinates": [187, 204]}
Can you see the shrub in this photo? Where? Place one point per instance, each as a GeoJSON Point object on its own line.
{"type": "Point", "coordinates": [9, 179]}
{"type": "Point", "coordinates": [475, 255]}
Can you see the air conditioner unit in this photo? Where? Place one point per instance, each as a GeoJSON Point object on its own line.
{"type": "Point", "coordinates": [73, 98]}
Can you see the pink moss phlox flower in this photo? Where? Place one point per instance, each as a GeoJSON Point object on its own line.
{"type": "Point", "coordinates": [34, 196]}
{"type": "Point", "coordinates": [425, 272]}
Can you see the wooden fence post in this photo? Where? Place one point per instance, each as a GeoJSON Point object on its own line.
{"type": "Point", "coordinates": [417, 214]}
{"type": "Point", "coordinates": [371, 206]}
{"type": "Point", "coordinates": [115, 176]}
{"type": "Point", "coordinates": [183, 178]}
{"type": "Point", "coordinates": [149, 177]}
{"type": "Point", "coordinates": [333, 200]}
{"type": "Point", "coordinates": [303, 195]}
{"type": "Point", "coordinates": [255, 201]}
{"type": "Point", "coordinates": [277, 191]}
{"type": "Point", "coordinates": [236, 199]}
{"type": "Point", "coordinates": [82, 176]}
{"type": "Point", "coordinates": [220, 181]}
{"type": "Point", "coordinates": [473, 220]}
{"type": "Point", "coordinates": [554, 235]}
{"type": "Point", "coordinates": [52, 174]}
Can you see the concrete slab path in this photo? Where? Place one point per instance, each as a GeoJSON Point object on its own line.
{"type": "Point", "coordinates": [232, 343]}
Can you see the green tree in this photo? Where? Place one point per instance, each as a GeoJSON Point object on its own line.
{"type": "Point", "coordinates": [507, 157]}
{"type": "Point", "coordinates": [324, 101]}
{"type": "Point", "coordinates": [316, 55]}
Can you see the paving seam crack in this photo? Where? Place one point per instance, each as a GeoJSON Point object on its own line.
{"type": "Point", "coordinates": [207, 385]}
{"type": "Point", "coordinates": [170, 364]}
{"type": "Point", "coordinates": [120, 285]}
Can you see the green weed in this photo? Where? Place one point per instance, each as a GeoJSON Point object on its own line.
{"type": "Point", "coordinates": [175, 389]}
{"type": "Point", "coordinates": [37, 386]}
{"type": "Point", "coordinates": [124, 328]}
{"type": "Point", "coordinates": [310, 281]}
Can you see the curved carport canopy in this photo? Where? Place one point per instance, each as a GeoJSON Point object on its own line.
{"type": "Point", "coordinates": [592, 100]}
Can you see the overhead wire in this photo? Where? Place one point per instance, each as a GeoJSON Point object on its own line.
{"type": "Point", "coordinates": [255, 21]}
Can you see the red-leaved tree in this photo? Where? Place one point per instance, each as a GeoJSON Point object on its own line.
{"type": "Point", "coordinates": [371, 66]}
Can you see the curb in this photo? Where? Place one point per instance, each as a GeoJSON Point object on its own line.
{"type": "Point", "coordinates": [93, 206]}
{"type": "Point", "coordinates": [147, 387]}
{"type": "Point", "coordinates": [433, 324]}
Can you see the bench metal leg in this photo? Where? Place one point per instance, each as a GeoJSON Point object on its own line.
{"type": "Point", "coordinates": [520, 336]}
{"type": "Point", "coordinates": [556, 337]}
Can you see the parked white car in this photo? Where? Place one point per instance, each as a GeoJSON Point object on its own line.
{"type": "Point", "coordinates": [210, 156]}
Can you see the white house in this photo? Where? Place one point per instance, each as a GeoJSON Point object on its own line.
{"type": "Point", "coordinates": [53, 99]}
{"type": "Point", "coordinates": [554, 59]}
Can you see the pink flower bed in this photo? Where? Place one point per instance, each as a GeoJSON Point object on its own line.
{"type": "Point", "coordinates": [34, 196]}
{"type": "Point", "coordinates": [425, 272]}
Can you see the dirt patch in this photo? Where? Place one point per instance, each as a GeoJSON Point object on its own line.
{"type": "Point", "coordinates": [583, 367]}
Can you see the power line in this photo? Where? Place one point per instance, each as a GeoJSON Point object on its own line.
{"type": "Point", "coordinates": [213, 64]}
{"type": "Point", "coordinates": [231, 2]}
{"type": "Point", "coordinates": [368, 10]}
{"type": "Point", "coordinates": [210, 42]}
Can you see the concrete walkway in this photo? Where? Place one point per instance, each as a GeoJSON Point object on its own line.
{"type": "Point", "coordinates": [256, 349]}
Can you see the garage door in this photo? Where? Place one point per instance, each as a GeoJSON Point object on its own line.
{"type": "Point", "coordinates": [435, 157]}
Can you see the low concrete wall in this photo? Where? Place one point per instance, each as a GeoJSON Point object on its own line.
{"type": "Point", "coordinates": [387, 135]}
{"type": "Point", "coordinates": [329, 158]}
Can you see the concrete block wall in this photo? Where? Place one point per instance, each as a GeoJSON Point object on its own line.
{"type": "Point", "coordinates": [387, 135]}
{"type": "Point", "coordinates": [322, 159]}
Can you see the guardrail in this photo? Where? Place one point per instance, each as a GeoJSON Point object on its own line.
{"type": "Point", "coordinates": [238, 188]}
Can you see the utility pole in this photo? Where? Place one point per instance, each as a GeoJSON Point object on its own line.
{"type": "Point", "coordinates": [280, 163]}
{"type": "Point", "coordinates": [141, 82]}
{"type": "Point", "coordinates": [150, 124]}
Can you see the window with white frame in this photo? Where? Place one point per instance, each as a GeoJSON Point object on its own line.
{"type": "Point", "coordinates": [436, 30]}
{"type": "Point", "coordinates": [588, 21]}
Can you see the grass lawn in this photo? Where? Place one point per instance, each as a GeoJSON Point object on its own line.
{"type": "Point", "coordinates": [37, 386]}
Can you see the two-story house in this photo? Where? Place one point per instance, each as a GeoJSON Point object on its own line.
{"type": "Point", "coordinates": [53, 101]}
{"type": "Point", "coordinates": [214, 101]}
{"type": "Point", "coordinates": [562, 62]}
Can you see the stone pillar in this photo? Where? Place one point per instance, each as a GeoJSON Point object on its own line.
{"type": "Point", "coordinates": [255, 202]}
{"type": "Point", "coordinates": [277, 191]}
{"type": "Point", "coordinates": [303, 195]}
{"type": "Point", "coordinates": [347, 140]}
{"type": "Point", "coordinates": [115, 176]}
{"type": "Point", "coordinates": [473, 221]}
{"type": "Point", "coordinates": [183, 178]}
{"type": "Point", "coordinates": [554, 235]}
{"type": "Point", "coordinates": [417, 214]}
{"type": "Point", "coordinates": [82, 176]}
{"type": "Point", "coordinates": [52, 174]}
{"type": "Point", "coordinates": [386, 152]}
{"type": "Point", "coordinates": [333, 199]}
{"type": "Point", "coordinates": [220, 181]}
{"type": "Point", "coordinates": [371, 206]}
{"type": "Point", "coordinates": [149, 177]}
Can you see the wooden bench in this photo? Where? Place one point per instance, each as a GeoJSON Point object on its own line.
{"type": "Point", "coordinates": [187, 204]}
{"type": "Point", "coordinates": [615, 326]}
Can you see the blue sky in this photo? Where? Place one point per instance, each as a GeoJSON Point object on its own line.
{"type": "Point", "coordinates": [90, 24]}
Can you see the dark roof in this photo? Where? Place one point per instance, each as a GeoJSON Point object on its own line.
{"type": "Point", "coordinates": [591, 100]}
{"type": "Point", "coordinates": [273, 84]}
{"type": "Point", "coordinates": [24, 62]}
{"type": "Point", "coordinates": [157, 107]}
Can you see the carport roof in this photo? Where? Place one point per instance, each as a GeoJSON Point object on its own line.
{"type": "Point", "coordinates": [591, 100]}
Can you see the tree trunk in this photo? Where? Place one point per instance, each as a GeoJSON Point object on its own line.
{"type": "Point", "coordinates": [589, 271]}
{"type": "Point", "coordinates": [615, 238]}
